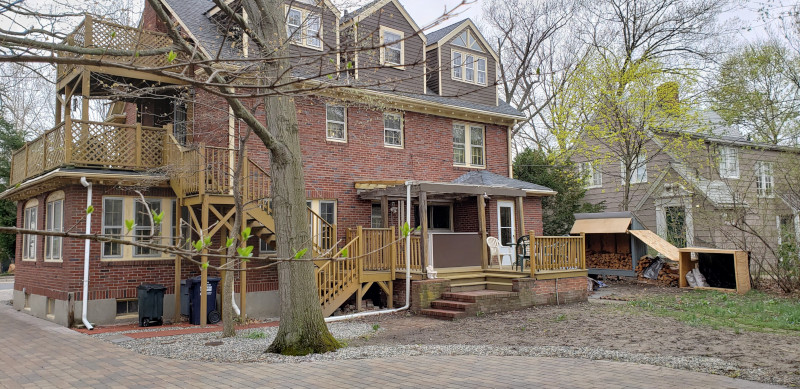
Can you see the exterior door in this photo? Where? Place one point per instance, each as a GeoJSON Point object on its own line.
{"type": "Point", "coordinates": [505, 222]}
{"type": "Point", "coordinates": [676, 225]}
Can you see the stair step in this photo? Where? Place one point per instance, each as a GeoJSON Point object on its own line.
{"type": "Point", "coordinates": [451, 305]}
{"type": "Point", "coordinates": [458, 297]}
{"type": "Point", "coordinates": [444, 314]}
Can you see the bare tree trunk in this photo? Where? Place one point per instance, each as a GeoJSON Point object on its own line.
{"type": "Point", "coordinates": [302, 327]}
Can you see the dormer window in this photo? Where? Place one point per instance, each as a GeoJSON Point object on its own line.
{"type": "Point", "coordinates": [468, 68]}
{"type": "Point", "coordinates": [467, 41]}
{"type": "Point", "coordinates": [304, 28]}
{"type": "Point", "coordinates": [392, 47]}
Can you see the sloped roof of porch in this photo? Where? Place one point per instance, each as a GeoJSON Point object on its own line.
{"type": "Point", "coordinates": [470, 184]}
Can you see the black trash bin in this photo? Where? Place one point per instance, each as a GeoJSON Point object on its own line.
{"type": "Point", "coordinates": [151, 304]}
{"type": "Point", "coordinates": [212, 315]}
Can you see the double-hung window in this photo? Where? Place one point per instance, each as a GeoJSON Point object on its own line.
{"type": "Point", "coordinates": [54, 222]}
{"type": "Point", "coordinates": [294, 25]}
{"type": "Point", "coordinates": [728, 162]}
{"type": "Point", "coordinates": [764, 179]}
{"type": "Point", "coordinates": [336, 123]}
{"type": "Point", "coordinates": [392, 47]}
{"type": "Point", "coordinates": [468, 68]}
{"type": "Point", "coordinates": [144, 230]}
{"type": "Point", "coordinates": [468, 145]}
{"type": "Point", "coordinates": [638, 170]}
{"type": "Point", "coordinates": [392, 130]}
{"type": "Point", "coordinates": [113, 221]}
{"type": "Point", "coordinates": [29, 222]}
{"type": "Point", "coordinates": [591, 174]}
{"type": "Point", "coordinates": [304, 28]}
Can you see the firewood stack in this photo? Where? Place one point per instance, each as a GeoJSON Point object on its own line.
{"type": "Point", "coordinates": [668, 276]}
{"type": "Point", "coordinates": [609, 261]}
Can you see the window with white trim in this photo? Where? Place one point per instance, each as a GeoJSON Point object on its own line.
{"type": "Point", "coordinates": [336, 123]}
{"type": "Point", "coordinates": [467, 41]}
{"type": "Point", "coordinates": [393, 130]}
{"type": "Point", "coordinates": [466, 65]}
{"type": "Point", "coordinates": [764, 180]}
{"type": "Point", "coordinates": [29, 220]}
{"type": "Point", "coordinates": [728, 162]}
{"type": "Point", "coordinates": [113, 221]}
{"type": "Point", "coordinates": [468, 145]}
{"type": "Point", "coordinates": [54, 222]}
{"type": "Point", "coordinates": [144, 231]}
{"type": "Point", "coordinates": [304, 28]}
{"type": "Point", "coordinates": [376, 216]}
{"type": "Point", "coordinates": [593, 177]}
{"type": "Point", "coordinates": [392, 52]}
{"type": "Point", "coordinates": [639, 173]}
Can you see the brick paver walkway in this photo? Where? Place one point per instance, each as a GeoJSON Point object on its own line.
{"type": "Point", "coordinates": [35, 353]}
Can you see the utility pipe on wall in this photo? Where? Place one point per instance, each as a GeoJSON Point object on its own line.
{"type": "Point", "coordinates": [86, 247]}
{"type": "Point", "coordinates": [408, 273]}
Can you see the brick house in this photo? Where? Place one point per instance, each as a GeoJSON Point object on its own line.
{"type": "Point", "coordinates": [439, 126]}
{"type": "Point", "coordinates": [729, 193]}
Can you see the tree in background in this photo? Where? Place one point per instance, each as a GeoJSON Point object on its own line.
{"type": "Point", "coordinates": [754, 89]}
{"type": "Point", "coordinates": [10, 140]}
{"type": "Point", "coordinates": [561, 175]}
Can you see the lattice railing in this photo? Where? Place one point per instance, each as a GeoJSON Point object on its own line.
{"type": "Point", "coordinates": [98, 33]}
{"type": "Point", "coordinates": [90, 144]}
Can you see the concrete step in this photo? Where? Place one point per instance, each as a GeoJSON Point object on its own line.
{"type": "Point", "coordinates": [451, 305]}
{"type": "Point", "coordinates": [443, 314]}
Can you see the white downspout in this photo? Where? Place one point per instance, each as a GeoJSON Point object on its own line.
{"type": "Point", "coordinates": [233, 301]}
{"type": "Point", "coordinates": [408, 273]}
{"type": "Point", "coordinates": [86, 247]}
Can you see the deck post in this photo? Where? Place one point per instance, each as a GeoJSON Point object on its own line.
{"type": "Point", "coordinates": [242, 278]}
{"type": "Point", "coordinates": [583, 251]}
{"type": "Point", "coordinates": [202, 173]}
{"type": "Point", "coordinates": [67, 124]}
{"type": "Point", "coordinates": [179, 214]}
{"type": "Point", "coordinates": [361, 252]}
{"type": "Point", "coordinates": [204, 268]}
{"type": "Point", "coordinates": [392, 252]}
{"type": "Point", "coordinates": [384, 211]}
{"type": "Point", "coordinates": [482, 230]}
{"type": "Point", "coordinates": [138, 146]}
{"type": "Point", "coordinates": [520, 218]}
{"type": "Point", "coordinates": [423, 241]}
{"type": "Point", "coordinates": [532, 251]}
{"type": "Point", "coordinates": [86, 88]}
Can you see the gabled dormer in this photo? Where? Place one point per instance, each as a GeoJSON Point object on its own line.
{"type": "Point", "coordinates": [385, 46]}
{"type": "Point", "coordinates": [312, 28]}
{"type": "Point", "coordinates": [462, 64]}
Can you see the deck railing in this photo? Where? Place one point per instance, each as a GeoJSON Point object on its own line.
{"type": "Point", "coordinates": [557, 253]}
{"type": "Point", "coordinates": [416, 255]}
{"type": "Point", "coordinates": [379, 249]}
{"type": "Point", "coordinates": [323, 234]}
{"type": "Point", "coordinates": [339, 274]}
{"type": "Point", "coordinates": [98, 33]}
{"type": "Point", "coordinates": [90, 144]}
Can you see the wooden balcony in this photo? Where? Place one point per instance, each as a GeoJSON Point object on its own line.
{"type": "Point", "coordinates": [95, 33]}
{"type": "Point", "coordinates": [90, 144]}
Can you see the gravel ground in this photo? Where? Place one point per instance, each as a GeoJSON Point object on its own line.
{"type": "Point", "coordinates": [607, 329]}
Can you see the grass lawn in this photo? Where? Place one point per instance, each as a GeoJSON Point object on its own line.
{"type": "Point", "coordinates": [754, 311]}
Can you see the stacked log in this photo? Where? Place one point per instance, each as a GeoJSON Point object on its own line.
{"type": "Point", "coordinates": [668, 276]}
{"type": "Point", "coordinates": [609, 261]}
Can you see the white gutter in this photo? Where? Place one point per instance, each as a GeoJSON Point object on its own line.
{"type": "Point", "coordinates": [408, 273]}
{"type": "Point", "coordinates": [85, 305]}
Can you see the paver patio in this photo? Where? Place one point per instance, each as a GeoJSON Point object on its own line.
{"type": "Point", "coordinates": [36, 353]}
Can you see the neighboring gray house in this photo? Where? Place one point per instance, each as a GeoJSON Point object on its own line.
{"type": "Point", "coordinates": [732, 193]}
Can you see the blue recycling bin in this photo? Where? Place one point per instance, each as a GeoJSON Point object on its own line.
{"type": "Point", "coordinates": [212, 315]}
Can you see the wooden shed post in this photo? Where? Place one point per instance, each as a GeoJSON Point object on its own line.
{"type": "Point", "coordinates": [520, 218]}
{"type": "Point", "coordinates": [482, 228]}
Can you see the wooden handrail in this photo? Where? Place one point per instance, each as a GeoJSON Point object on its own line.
{"type": "Point", "coordinates": [549, 253]}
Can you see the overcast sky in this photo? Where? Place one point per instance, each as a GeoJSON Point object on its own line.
{"type": "Point", "coordinates": [426, 11]}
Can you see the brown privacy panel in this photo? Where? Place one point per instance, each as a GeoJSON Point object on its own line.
{"type": "Point", "coordinates": [456, 250]}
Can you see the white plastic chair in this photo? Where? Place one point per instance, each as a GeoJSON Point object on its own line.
{"type": "Point", "coordinates": [497, 250]}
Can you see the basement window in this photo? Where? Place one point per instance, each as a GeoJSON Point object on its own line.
{"type": "Point", "coordinates": [127, 307]}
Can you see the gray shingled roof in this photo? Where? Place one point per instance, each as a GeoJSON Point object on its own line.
{"type": "Point", "coordinates": [349, 16]}
{"type": "Point", "coordinates": [437, 35]}
{"type": "Point", "coordinates": [483, 177]}
{"type": "Point", "coordinates": [502, 107]}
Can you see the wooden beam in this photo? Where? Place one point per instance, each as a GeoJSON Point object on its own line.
{"type": "Point", "coordinates": [243, 278]}
{"type": "Point", "coordinates": [520, 217]}
{"type": "Point", "coordinates": [204, 268]}
{"type": "Point", "coordinates": [482, 228]}
{"type": "Point", "coordinates": [384, 211]}
{"type": "Point", "coordinates": [423, 221]}
{"type": "Point", "coordinates": [179, 215]}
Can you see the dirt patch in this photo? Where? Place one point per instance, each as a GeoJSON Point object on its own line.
{"type": "Point", "coordinates": [606, 322]}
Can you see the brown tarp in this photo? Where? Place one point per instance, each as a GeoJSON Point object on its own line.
{"type": "Point", "coordinates": [657, 243]}
{"type": "Point", "coordinates": [601, 226]}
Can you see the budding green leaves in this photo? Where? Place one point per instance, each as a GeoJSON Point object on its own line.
{"type": "Point", "coordinates": [344, 253]}
{"type": "Point", "coordinates": [171, 56]}
{"type": "Point", "coordinates": [300, 253]}
{"type": "Point", "coordinates": [157, 218]}
{"type": "Point", "coordinates": [246, 234]}
{"type": "Point", "coordinates": [229, 242]}
{"type": "Point", "coordinates": [89, 209]}
{"type": "Point", "coordinates": [129, 225]}
{"type": "Point", "coordinates": [245, 252]}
